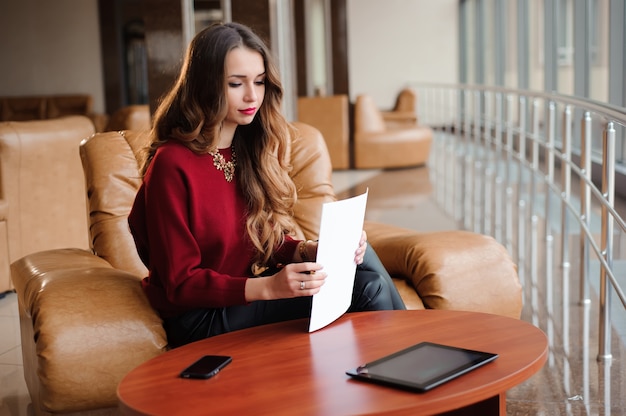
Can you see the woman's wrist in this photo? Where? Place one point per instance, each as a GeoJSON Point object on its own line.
{"type": "Point", "coordinates": [256, 289]}
{"type": "Point", "coordinates": [307, 250]}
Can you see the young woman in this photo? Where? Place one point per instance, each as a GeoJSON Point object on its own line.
{"type": "Point", "coordinates": [213, 216]}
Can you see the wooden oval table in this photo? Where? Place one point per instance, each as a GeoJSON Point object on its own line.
{"type": "Point", "coordinates": [281, 369]}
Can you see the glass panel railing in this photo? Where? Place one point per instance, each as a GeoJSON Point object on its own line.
{"type": "Point", "coordinates": [522, 165]}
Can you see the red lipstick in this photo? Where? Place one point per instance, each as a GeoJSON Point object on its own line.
{"type": "Point", "coordinates": [248, 111]}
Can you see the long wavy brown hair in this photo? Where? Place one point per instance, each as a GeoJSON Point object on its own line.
{"type": "Point", "coordinates": [193, 110]}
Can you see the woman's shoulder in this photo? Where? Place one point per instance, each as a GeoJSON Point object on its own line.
{"type": "Point", "coordinates": [175, 152]}
{"type": "Point", "coordinates": [173, 148]}
{"type": "Point", "coordinates": [175, 156]}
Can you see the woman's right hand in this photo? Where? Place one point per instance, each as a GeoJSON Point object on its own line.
{"type": "Point", "coordinates": [293, 280]}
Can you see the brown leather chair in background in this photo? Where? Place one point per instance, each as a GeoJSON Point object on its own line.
{"type": "Point", "coordinates": [377, 145]}
{"type": "Point", "coordinates": [22, 108]}
{"type": "Point", "coordinates": [330, 115]}
{"type": "Point", "coordinates": [85, 321]}
{"type": "Point", "coordinates": [75, 104]}
{"type": "Point", "coordinates": [131, 117]}
{"type": "Point", "coordinates": [44, 107]}
{"type": "Point", "coordinates": [42, 197]}
{"type": "Point", "coordinates": [404, 112]}
{"type": "Point", "coordinates": [5, 261]}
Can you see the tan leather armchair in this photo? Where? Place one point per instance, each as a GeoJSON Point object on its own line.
{"type": "Point", "coordinates": [41, 188]}
{"type": "Point", "coordinates": [5, 275]}
{"type": "Point", "coordinates": [330, 115]}
{"type": "Point", "coordinates": [404, 112]}
{"type": "Point", "coordinates": [43, 107]}
{"type": "Point", "coordinates": [131, 117]}
{"type": "Point", "coordinates": [85, 321]}
{"type": "Point", "coordinates": [376, 145]}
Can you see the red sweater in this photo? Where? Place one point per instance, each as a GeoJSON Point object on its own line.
{"type": "Point", "coordinates": [188, 223]}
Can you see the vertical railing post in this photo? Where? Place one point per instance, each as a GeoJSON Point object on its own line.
{"type": "Point", "coordinates": [522, 146]}
{"type": "Point", "coordinates": [508, 229]}
{"type": "Point", "coordinates": [438, 154]}
{"type": "Point", "coordinates": [585, 204]}
{"type": "Point", "coordinates": [451, 151]}
{"type": "Point", "coordinates": [459, 188]}
{"type": "Point", "coordinates": [445, 138]}
{"type": "Point", "coordinates": [468, 179]}
{"type": "Point", "coordinates": [535, 156]}
{"type": "Point", "coordinates": [550, 167]}
{"type": "Point", "coordinates": [497, 221]}
{"type": "Point", "coordinates": [521, 201]}
{"type": "Point", "coordinates": [566, 177]}
{"type": "Point", "coordinates": [478, 182]}
{"type": "Point", "coordinates": [533, 188]}
{"type": "Point", "coordinates": [489, 161]}
{"type": "Point", "coordinates": [608, 192]}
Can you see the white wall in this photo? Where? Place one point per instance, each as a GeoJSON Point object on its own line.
{"type": "Point", "coordinates": [394, 43]}
{"type": "Point", "coordinates": [51, 47]}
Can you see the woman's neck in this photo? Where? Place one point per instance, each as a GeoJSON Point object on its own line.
{"type": "Point", "coordinates": [227, 132]}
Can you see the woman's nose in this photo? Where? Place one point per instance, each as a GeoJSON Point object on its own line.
{"type": "Point", "coordinates": [250, 94]}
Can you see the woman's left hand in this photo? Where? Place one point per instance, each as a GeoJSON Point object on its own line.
{"type": "Point", "coordinates": [360, 252]}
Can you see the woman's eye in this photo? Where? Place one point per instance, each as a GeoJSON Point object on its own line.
{"type": "Point", "coordinates": [234, 84]}
{"type": "Point", "coordinates": [260, 82]}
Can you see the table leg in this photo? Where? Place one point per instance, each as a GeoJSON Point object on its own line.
{"type": "Point", "coordinates": [495, 405]}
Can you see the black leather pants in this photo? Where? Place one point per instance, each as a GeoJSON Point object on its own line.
{"type": "Point", "coordinates": [373, 290]}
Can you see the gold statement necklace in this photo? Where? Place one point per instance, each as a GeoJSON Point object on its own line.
{"type": "Point", "coordinates": [221, 164]}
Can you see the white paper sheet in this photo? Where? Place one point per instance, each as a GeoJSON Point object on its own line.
{"type": "Point", "coordinates": [340, 231]}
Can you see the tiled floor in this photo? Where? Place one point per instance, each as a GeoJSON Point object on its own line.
{"type": "Point", "coordinates": [14, 398]}
{"type": "Point", "coordinates": [572, 382]}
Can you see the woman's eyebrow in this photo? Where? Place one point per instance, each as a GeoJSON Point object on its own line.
{"type": "Point", "coordinates": [245, 76]}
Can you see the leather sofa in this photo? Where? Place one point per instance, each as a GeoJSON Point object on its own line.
{"type": "Point", "coordinates": [44, 107]}
{"type": "Point", "coordinates": [85, 321]}
{"type": "Point", "coordinates": [42, 190]}
{"type": "Point", "coordinates": [379, 145]}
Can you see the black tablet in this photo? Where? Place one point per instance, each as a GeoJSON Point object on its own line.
{"type": "Point", "coordinates": [422, 366]}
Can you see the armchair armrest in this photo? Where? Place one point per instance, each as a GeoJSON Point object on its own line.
{"type": "Point", "coordinates": [457, 270]}
{"type": "Point", "coordinates": [5, 275]}
{"type": "Point", "coordinates": [84, 325]}
{"type": "Point", "coordinates": [394, 119]}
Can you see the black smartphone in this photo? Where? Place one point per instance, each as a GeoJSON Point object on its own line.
{"type": "Point", "coordinates": [206, 367]}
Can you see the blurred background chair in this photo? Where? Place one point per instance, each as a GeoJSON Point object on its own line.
{"type": "Point", "coordinates": [330, 115]}
{"type": "Point", "coordinates": [42, 198]}
{"type": "Point", "coordinates": [132, 117]}
{"type": "Point", "coordinates": [43, 107]}
{"type": "Point", "coordinates": [377, 145]}
{"type": "Point", "coordinates": [404, 113]}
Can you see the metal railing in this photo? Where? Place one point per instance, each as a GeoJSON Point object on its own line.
{"type": "Point", "coordinates": [508, 159]}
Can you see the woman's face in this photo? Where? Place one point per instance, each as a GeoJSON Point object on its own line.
{"type": "Point", "coordinates": [245, 85]}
